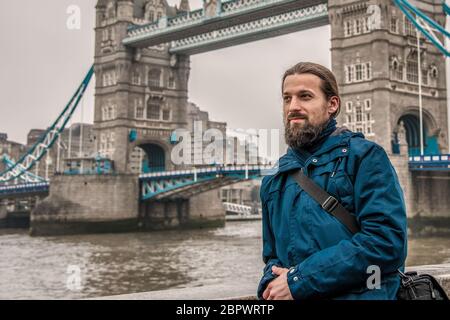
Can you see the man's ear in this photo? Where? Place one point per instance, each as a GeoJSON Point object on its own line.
{"type": "Point", "coordinates": [333, 104]}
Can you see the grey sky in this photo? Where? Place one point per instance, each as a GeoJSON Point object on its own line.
{"type": "Point", "coordinates": [42, 62]}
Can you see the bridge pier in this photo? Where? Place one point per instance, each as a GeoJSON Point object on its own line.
{"type": "Point", "coordinates": [426, 198]}
{"type": "Point", "coordinates": [431, 213]}
{"type": "Point", "coordinates": [400, 163]}
{"type": "Point", "coordinates": [110, 203]}
{"type": "Point", "coordinates": [87, 204]}
{"type": "Point", "coordinates": [201, 210]}
{"type": "Point", "coordinates": [3, 213]}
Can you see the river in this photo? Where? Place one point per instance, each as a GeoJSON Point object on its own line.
{"type": "Point", "coordinates": [110, 264]}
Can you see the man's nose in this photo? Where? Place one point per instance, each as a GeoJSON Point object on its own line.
{"type": "Point", "coordinates": [295, 104]}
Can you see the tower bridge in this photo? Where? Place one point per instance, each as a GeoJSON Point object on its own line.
{"type": "Point", "coordinates": [142, 68]}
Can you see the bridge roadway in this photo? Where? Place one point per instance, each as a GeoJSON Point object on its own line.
{"type": "Point", "coordinates": [182, 183]}
{"type": "Point", "coordinates": [194, 23]}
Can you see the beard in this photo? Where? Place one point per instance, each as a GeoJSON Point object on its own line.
{"type": "Point", "coordinates": [301, 135]}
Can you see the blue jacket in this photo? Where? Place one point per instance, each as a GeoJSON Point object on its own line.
{"type": "Point", "coordinates": [324, 258]}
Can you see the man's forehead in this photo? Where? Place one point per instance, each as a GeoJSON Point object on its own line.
{"type": "Point", "coordinates": [304, 81]}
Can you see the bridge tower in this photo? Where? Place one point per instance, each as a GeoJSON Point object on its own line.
{"type": "Point", "coordinates": [140, 94]}
{"type": "Point", "coordinates": [374, 56]}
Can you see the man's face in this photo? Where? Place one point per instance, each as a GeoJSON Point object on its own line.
{"type": "Point", "coordinates": [306, 110]}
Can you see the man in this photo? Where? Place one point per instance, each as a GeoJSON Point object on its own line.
{"type": "Point", "coordinates": [307, 251]}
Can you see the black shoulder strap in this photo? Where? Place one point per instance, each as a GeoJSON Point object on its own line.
{"type": "Point", "coordinates": [329, 203]}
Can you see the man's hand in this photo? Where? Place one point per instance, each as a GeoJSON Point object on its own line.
{"type": "Point", "coordinates": [278, 288]}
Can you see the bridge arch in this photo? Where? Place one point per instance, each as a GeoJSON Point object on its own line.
{"type": "Point", "coordinates": [411, 122]}
{"type": "Point", "coordinates": [149, 156]}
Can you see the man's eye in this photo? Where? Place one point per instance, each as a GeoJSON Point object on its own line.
{"type": "Point", "coordinates": [305, 96]}
{"type": "Point", "coordinates": [286, 99]}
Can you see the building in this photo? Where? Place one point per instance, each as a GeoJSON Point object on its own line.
{"type": "Point", "coordinates": [13, 150]}
{"type": "Point", "coordinates": [245, 193]}
{"type": "Point", "coordinates": [66, 147]}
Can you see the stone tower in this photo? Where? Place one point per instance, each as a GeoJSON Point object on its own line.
{"type": "Point", "coordinates": [374, 56]}
{"type": "Point", "coordinates": [141, 94]}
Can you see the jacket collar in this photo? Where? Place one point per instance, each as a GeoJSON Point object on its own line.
{"type": "Point", "coordinates": [296, 159]}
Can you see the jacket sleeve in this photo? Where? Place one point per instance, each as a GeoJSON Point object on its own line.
{"type": "Point", "coordinates": [269, 253]}
{"type": "Point", "coordinates": [381, 214]}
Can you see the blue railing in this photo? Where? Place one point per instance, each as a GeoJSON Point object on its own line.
{"type": "Point", "coordinates": [437, 162]}
{"type": "Point", "coordinates": [161, 183]}
{"type": "Point", "coordinates": [25, 188]}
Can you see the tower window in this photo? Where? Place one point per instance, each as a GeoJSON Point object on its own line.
{"type": "Point", "coordinates": [153, 110]}
{"type": "Point", "coordinates": [409, 27]}
{"type": "Point", "coordinates": [366, 24]}
{"type": "Point", "coordinates": [394, 25]}
{"type": "Point", "coordinates": [348, 28]}
{"type": "Point", "coordinates": [434, 72]}
{"type": "Point", "coordinates": [425, 76]}
{"type": "Point", "coordinates": [357, 26]}
{"type": "Point", "coordinates": [369, 70]}
{"type": "Point", "coordinates": [349, 73]}
{"type": "Point", "coordinates": [136, 78]}
{"type": "Point", "coordinates": [358, 114]}
{"type": "Point", "coordinates": [367, 104]}
{"type": "Point", "coordinates": [395, 65]}
{"type": "Point", "coordinates": [358, 117]}
{"type": "Point", "coordinates": [109, 111]}
{"type": "Point", "coordinates": [171, 81]}
{"type": "Point", "coordinates": [411, 69]}
{"type": "Point", "coordinates": [154, 78]}
{"type": "Point", "coordinates": [397, 68]}
{"type": "Point", "coordinates": [139, 110]}
{"type": "Point", "coordinates": [358, 72]}
{"type": "Point", "coordinates": [349, 106]}
{"type": "Point", "coordinates": [109, 78]}
{"type": "Point", "coordinates": [349, 118]}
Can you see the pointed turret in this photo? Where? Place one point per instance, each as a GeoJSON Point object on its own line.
{"type": "Point", "coordinates": [184, 6]}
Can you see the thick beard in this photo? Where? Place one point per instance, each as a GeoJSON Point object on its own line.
{"type": "Point", "coordinates": [302, 135]}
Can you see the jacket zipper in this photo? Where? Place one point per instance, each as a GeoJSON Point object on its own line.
{"type": "Point", "coordinates": [336, 166]}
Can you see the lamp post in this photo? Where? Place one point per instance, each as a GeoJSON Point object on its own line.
{"type": "Point", "coordinates": [447, 69]}
{"type": "Point", "coordinates": [419, 70]}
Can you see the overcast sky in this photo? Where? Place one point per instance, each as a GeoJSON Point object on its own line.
{"type": "Point", "coordinates": [42, 62]}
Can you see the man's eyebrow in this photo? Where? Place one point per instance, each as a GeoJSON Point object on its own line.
{"type": "Point", "coordinates": [305, 91]}
{"type": "Point", "coordinates": [302, 91]}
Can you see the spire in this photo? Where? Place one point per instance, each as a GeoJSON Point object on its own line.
{"type": "Point", "coordinates": [184, 6]}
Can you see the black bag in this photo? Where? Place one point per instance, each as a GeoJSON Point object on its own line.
{"type": "Point", "coordinates": [419, 287]}
{"type": "Point", "coordinates": [413, 286]}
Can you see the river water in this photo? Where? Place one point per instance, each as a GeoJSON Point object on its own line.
{"type": "Point", "coordinates": [110, 264]}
